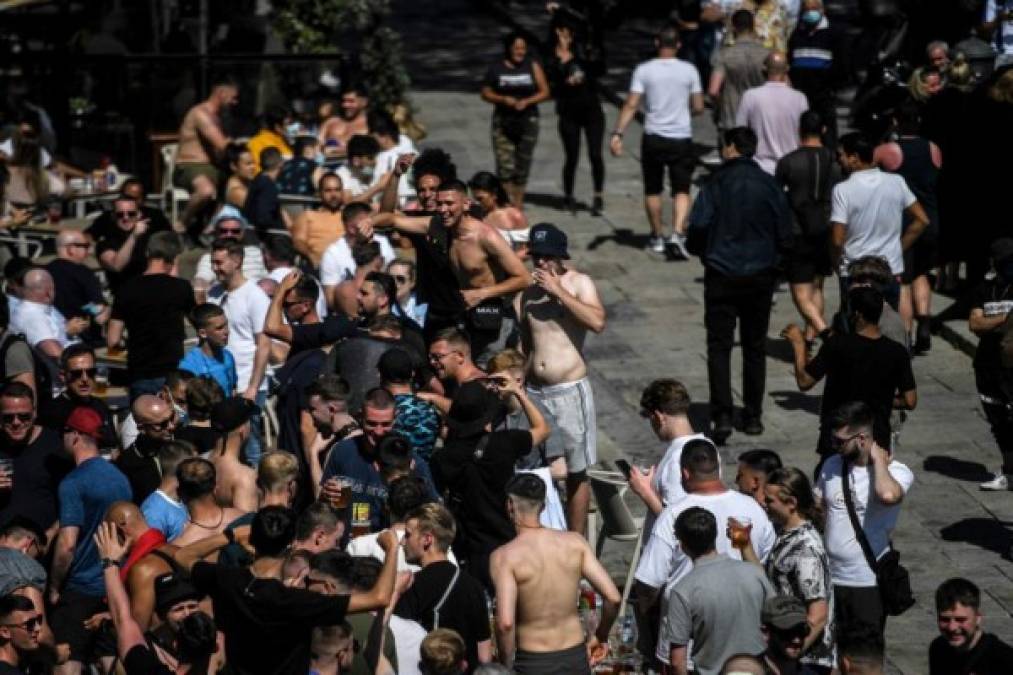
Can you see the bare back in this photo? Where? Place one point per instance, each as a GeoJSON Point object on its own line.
{"type": "Point", "coordinates": [553, 339]}
{"type": "Point", "coordinates": [194, 532]}
{"type": "Point", "coordinates": [546, 566]}
{"type": "Point", "coordinates": [236, 485]}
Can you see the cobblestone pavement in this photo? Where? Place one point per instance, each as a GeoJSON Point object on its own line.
{"type": "Point", "coordinates": [655, 309]}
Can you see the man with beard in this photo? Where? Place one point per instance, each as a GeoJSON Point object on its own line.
{"type": "Point", "coordinates": [784, 626]}
{"type": "Point", "coordinates": [337, 131]}
{"type": "Point", "coordinates": [467, 270]}
{"type": "Point", "coordinates": [316, 229]}
{"type": "Point", "coordinates": [878, 484]}
{"type": "Point", "coordinates": [962, 646]}
{"type": "Point", "coordinates": [156, 422]}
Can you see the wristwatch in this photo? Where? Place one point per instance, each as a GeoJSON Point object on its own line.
{"type": "Point", "coordinates": [109, 562]}
{"type": "Point", "coordinates": [617, 133]}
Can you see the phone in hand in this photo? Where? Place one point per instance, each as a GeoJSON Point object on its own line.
{"type": "Point", "coordinates": [625, 467]}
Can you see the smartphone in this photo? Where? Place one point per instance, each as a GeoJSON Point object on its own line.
{"type": "Point", "coordinates": [625, 467]}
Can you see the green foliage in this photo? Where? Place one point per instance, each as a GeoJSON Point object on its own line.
{"type": "Point", "coordinates": [317, 26]}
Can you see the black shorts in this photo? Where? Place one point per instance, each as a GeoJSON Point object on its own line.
{"type": "Point", "coordinates": [809, 258]}
{"type": "Point", "coordinates": [658, 153]}
{"type": "Point", "coordinates": [920, 259]}
{"type": "Point", "coordinates": [67, 621]}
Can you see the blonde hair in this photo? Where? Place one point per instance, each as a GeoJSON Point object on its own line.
{"type": "Point", "coordinates": [442, 652]}
{"type": "Point", "coordinates": [917, 86]}
{"type": "Point", "coordinates": [436, 520]}
{"type": "Point", "coordinates": [406, 123]}
{"type": "Point", "coordinates": [960, 75]}
{"type": "Point", "coordinates": [276, 470]}
{"type": "Point", "coordinates": [508, 359]}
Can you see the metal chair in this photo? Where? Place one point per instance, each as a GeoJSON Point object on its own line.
{"type": "Point", "coordinates": [617, 522]}
{"type": "Point", "coordinates": [171, 195]}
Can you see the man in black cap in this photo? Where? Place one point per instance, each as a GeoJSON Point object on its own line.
{"type": "Point", "coordinates": [784, 626]}
{"type": "Point", "coordinates": [991, 305]}
{"type": "Point", "coordinates": [555, 314]}
{"type": "Point", "coordinates": [175, 599]}
{"type": "Point", "coordinates": [475, 465]}
{"type": "Point", "coordinates": [237, 482]}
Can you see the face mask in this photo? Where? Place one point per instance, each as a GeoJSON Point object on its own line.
{"type": "Point", "coordinates": [811, 17]}
{"type": "Point", "coordinates": [320, 158]}
{"type": "Point", "coordinates": [292, 130]}
{"type": "Point", "coordinates": [366, 171]}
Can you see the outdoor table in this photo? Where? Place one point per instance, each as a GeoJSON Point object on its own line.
{"type": "Point", "coordinates": [79, 199]}
{"type": "Point", "coordinates": [117, 360]}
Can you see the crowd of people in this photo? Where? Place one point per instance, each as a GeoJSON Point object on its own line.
{"type": "Point", "coordinates": [357, 437]}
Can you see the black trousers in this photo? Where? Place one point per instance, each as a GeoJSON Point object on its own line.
{"type": "Point", "coordinates": [570, 125]}
{"type": "Point", "coordinates": [746, 300]}
{"type": "Point", "coordinates": [995, 403]}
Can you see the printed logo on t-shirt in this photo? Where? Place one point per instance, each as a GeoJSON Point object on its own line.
{"type": "Point", "coordinates": [510, 80]}
{"type": "Point", "coordinates": [997, 307]}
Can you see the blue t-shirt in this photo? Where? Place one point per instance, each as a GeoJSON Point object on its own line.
{"type": "Point", "coordinates": [164, 514]}
{"type": "Point", "coordinates": [85, 495]}
{"type": "Point", "coordinates": [222, 369]}
{"type": "Point", "coordinates": [369, 493]}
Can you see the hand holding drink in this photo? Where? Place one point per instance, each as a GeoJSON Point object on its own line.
{"type": "Point", "coordinates": [337, 492]}
{"type": "Point", "coordinates": [739, 530]}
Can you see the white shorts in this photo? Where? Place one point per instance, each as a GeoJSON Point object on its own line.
{"type": "Point", "coordinates": [572, 404]}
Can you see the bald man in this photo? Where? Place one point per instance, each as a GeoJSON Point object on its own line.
{"type": "Point", "coordinates": [197, 479]}
{"type": "Point", "coordinates": [45, 328]}
{"type": "Point", "coordinates": [156, 423]}
{"type": "Point", "coordinates": [78, 289]}
{"type": "Point", "coordinates": [148, 556]}
{"type": "Point", "coordinates": [772, 110]}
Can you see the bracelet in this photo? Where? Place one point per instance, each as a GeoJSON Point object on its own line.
{"type": "Point", "coordinates": [617, 133]}
{"type": "Point", "coordinates": [109, 562]}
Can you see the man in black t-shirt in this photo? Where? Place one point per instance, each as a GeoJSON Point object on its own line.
{"type": "Point", "coordinates": [442, 595]}
{"type": "Point", "coordinates": [20, 630]}
{"type": "Point", "coordinates": [78, 371]}
{"type": "Point", "coordinates": [992, 304]}
{"type": "Point", "coordinates": [475, 465]}
{"type": "Point", "coordinates": [152, 309]}
{"type": "Point", "coordinates": [120, 247]}
{"type": "Point", "coordinates": [267, 624]}
{"type": "Point", "coordinates": [861, 366]}
{"type": "Point", "coordinates": [962, 646]}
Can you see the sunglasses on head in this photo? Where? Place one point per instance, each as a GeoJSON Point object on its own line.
{"type": "Point", "coordinates": [78, 373]}
{"type": "Point", "coordinates": [126, 214]}
{"type": "Point", "coordinates": [7, 418]}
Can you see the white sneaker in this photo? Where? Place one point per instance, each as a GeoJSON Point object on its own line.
{"type": "Point", "coordinates": [679, 242]}
{"type": "Point", "coordinates": [656, 244]}
{"type": "Point", "coordinates": [998, 484]}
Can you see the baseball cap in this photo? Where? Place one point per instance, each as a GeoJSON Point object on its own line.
{"type": "Point", "coordinates": [170, 589]}
{"type": "Point", "coordinates": [232, 413]}
{"type": "Point", "coordinates": [229, 212]}
{"type": "Point", "coordinates": [548, 240]}
{"type": "Point", "coordinates": [85, 420]}
{"type": "Point", "coordinates": [395, 365]}
{"type": "Point", "coordinates": [473, 407]}
{"type": "Point", "coordinates": [1002, 249]}
{"type": "Point", "coordinates": [783, 612]}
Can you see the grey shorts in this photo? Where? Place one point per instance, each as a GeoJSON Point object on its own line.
{"type": "Point", "coordinates": [572, 404]}
{"type": "Point", "coordinates": [572, 661]}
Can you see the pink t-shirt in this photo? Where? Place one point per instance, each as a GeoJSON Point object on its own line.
{"type": "Point", "coordinates": [772, 110]}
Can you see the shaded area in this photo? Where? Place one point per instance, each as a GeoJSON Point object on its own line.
{"type": "Point", "coordinates": [796, 400]}
{"type": "Point", "coordinates": [987, 533]}
{"type": "Point", "coordinates": [959, 469]}
{"type": "Point", "coordinates": [780, 349]}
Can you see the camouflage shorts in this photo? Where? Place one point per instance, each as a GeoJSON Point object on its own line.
{"type": "Point", "coordinates": [513, 141]}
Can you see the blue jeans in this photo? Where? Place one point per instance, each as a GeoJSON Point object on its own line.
{"type": "Point", "coordinates": [151, 385]}
{"type": "Point", "coordinates": [254, 446]}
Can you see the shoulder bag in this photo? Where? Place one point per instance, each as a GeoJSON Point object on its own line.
{"type": "Point", "coordinates": [893, 580]}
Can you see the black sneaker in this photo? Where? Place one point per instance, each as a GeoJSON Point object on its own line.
{"type": "Point", "coordinates": [597, 206]}
{"type": "Point", "coordinates": [752, 427]}
{"type": "Point", "coordinates": [722, 430]}
{"type": "Point", "coordinates": [570, 205]}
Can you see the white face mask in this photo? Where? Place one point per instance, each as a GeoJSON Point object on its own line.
{"type": "Point", "coordinates": [366, 171]}
{"type": "Point", "coordinates": [320, 158]}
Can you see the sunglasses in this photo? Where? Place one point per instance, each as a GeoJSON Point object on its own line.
{"type": "Point", "coordinates": [400, 279]}
{"type": "Point", "coordinates": [293, 303]}
{"type": "Point", "coordinates": [230, 230]}
{"type": "Point", "coordinates": [838, 442]}
{"type": "Point", "coordinates": [126, 214]}
{"type": "Point", "coordinates": [434, 357]}
{"type": "Point", "coordinates": [7, 418]}
{"type": "Point", "coordinates": [75, 244]}
{"type": "Point", "coordinates": [78, 373]}
{"type": "Point", "coordinates": [160, 426]}
{"type": "Point", "coordinates": [28, 625]}
{"type": "Point", "coordinates": [800, 631]}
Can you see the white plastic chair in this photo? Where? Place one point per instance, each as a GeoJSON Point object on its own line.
{"type": "Point", "coordinates": [617, 522]}
{"type": "Point", "coordinates": [171, 195]}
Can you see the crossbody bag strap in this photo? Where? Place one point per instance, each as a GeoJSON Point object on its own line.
{"type": "Point", "coordinates": [446, 594]}
{"type": "Point", "coordinates": [849, 502]}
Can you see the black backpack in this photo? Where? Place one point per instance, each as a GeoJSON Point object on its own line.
{"type": "Point", "coordinates": [46, 371]}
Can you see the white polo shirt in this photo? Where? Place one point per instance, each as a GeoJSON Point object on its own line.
{"type": "Point", "coordinates": [871, 204]}
{"type": "Point", "coordinates": [666, 86]}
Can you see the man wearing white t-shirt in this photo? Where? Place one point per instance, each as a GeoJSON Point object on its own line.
{"type": "Point", "coordinates": [868, 209]}
{"type": "Point", "coordinates": [337, 264]}
{"type": "Point", "coordinates": [665, 403]}
{"type": "Point", "coordinates": [393, 144]}
{"type": "Point", "coordinates": [998, 26]}
{"type": "Point", "coordinates": [878, 486]}
{"type": "Point", "coordinates": [663, 562]}
{"type": "Point", "coordinates": [671, 92]}
{"type": "Point", "coordinates": [245, 306]}
{"type": "Point", "coordinates": [45, 328]}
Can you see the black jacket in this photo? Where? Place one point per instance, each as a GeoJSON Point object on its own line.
{"type": "Point", "coordinates": [741, 223]}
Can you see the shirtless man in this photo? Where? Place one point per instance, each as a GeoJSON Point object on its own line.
{"type": "Point", "coordinates": [537, 576]}
{"type": "Point", "coordinates": [555, 315]}
{"type": "Point", "coordinates": [149, 557]}
{"type": "Point", "coordinates": [237, 483]}
{"type": "Point", "coordinates": [345, 296]}
{"type": "Point", "coordinates": [316, 229]}
{"type": "Point", "coordinates": [197, 478]}
{"type": "Point", "coordinates": [485, 268]}
{"type": "Point", "coordinates": [202, 143]}
{"type": "Point", "coordinates": [351, 122]}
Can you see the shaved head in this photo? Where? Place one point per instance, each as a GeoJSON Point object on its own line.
{"type": "Point", "coordinates": [776, 64]}
{"type": "Point", "coordinates": [127, 516]}
{"type": "Point", "coordinates": [150, 409]}
{"type": "Point", "coordinates": [70, 237]}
